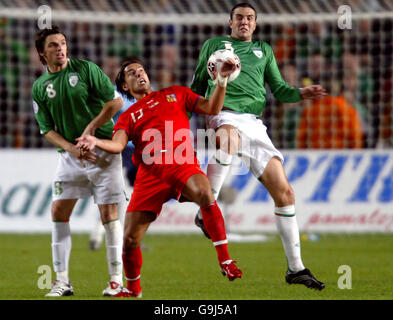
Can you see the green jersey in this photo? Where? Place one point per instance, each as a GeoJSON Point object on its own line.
{"type": "Point", "coordinates": [247, 93]}
{"type": "Point", "coordinates": [66, 101]}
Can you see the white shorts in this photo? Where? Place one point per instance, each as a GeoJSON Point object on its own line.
{"type": "Point", "coordinates": [103, 180]}
{"type": "Point", "coordinates": [256, 148]}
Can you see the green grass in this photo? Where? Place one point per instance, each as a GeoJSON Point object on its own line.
{"type": "Point", "coordinates": [184, 267]}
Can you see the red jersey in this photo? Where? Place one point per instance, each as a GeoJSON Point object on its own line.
{"type": "Point", "coordinates": [158, 126]}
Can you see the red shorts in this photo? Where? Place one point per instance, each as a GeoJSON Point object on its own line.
{"type": "Point", "coordinates": [156, 184]}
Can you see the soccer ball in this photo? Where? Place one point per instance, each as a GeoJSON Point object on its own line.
{"type": "Point", "coordinates": [217, 58]}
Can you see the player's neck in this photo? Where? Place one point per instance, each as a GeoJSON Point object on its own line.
{"type": "Point", "coordinates": [53, 68]}
{"type": "Point", "coordinates": [242, 40]}
{"type": "Point", "coordinates": [139, 96]}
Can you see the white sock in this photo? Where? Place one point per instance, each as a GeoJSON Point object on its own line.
{"type": "Point", "coordinates": [122, 208]}
{"type": "Point", "coordinates": [217, 171]}
{"type": "Point", "coordinates": [63, 276]}
{"type": "Point", "coordinates": [61, 249]}
{"type": "Point", "coordinates": [97, 233]}
{"type": "Point", "coordinates": [114, 246]}
{"type": "Point", "coordinates": [288, 229]}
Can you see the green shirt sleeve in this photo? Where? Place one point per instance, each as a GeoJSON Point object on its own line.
{"type": "Point", "coordinates": [200, 80]}
{"type": "Point", "coordinates": [41, 112]}
{"type": "Point", "coordinates": [280, 89]}
{"type": "Point", "coordinates": [100, 84]}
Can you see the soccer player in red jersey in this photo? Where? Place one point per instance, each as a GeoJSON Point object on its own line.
{"type": "Point", "coordinates": [158, 126]}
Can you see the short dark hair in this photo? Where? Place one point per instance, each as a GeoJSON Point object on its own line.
{"type": "Point", "coordinates": [41, 37]}
{"type": "Point", "coordinates": [242, 5]}
{"type": "Point", "coordinates": [120, 78]}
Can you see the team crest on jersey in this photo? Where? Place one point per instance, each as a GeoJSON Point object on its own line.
{"type": "Point", "coordinates": [171, 97]}
{"type": "Point", "coordinates": [73, 79]}
{"type": "Point", "coordinates": [258, 52]}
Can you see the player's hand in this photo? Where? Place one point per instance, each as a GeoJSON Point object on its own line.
{"type": "Point", "coordinates": [313, 92]}
{"type": "Point", "coordinates": [80, 154]}
{"type": "Point", "coordinates": [86, 143]}
{"type": "Point", "coordinates": [88, 155]}
{"type": "Point", "coordinates": [227, 68]}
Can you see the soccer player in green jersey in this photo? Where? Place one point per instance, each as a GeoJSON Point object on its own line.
{"type": "Point", "coordinates": [67, 100]}
{"type": "Point", "coordinates": [238, 130]}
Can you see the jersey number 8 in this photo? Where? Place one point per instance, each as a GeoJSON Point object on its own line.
{"type": "Point", "coordinates": [50, 91]}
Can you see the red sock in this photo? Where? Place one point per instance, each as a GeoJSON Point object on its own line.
{"type": "Point", "coordinates": [132, 263]}
{"type": "Point", "coordinates": [215, 226]}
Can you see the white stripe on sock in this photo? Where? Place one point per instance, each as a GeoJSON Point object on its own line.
{"type": "Point", "coordinates": [223, 158]}
{"type": "Point", "coordinates": [138, 277]}
{"type": "Point", "coordinates": [217, 243]}
{"type": "Point", "coordinates": [285, 211]}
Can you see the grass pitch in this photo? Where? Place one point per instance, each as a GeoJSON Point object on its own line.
{"type": "Point", "coordinates": [184, 267]}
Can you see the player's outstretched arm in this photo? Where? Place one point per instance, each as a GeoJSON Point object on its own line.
{"type": "Point", "coordinates": [116, 145]}
{"type": "Point", "coordinates": [313, 92]}
{"type": "Point", "coordinates": [214, 104]}
{"type": "Point", "coordinates": [109, 109]}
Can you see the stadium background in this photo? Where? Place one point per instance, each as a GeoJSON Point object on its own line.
{"type": "Point", "coordinates": [337, 191]}
{"type": "Point", "coordinates": [350, 189]}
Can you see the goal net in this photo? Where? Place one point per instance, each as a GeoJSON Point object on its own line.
{"type": "Point", "coordinates": [353, 62]}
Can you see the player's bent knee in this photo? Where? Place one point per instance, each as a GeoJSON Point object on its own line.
{"type": "Point", "coordinates": [105, 218]}
{"type": "Point", "coordinates": [131, 242]}
{"type": "Point", "coordinates": [108, 212]}
{"type": "Point", "coordinates": [61, 211]}
{"type": "Point", "coordinates": [205, 197]}
{"type": "Point", "coordinates": [57, 215]}
{"type": "Point", "coordinates": [290, 195]}
{"type": "Point", "coordinates": [286, 197]}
